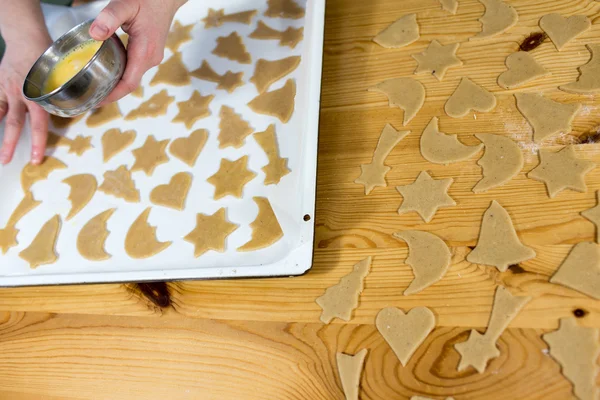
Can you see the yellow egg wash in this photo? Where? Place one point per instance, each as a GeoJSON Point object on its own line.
{"type": "Point", "coordinates": [71, 64]}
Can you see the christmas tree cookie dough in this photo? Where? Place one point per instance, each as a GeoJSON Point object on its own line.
{"type": "Point", "coordinates": [193, 109]}
{"type": "Point", "coordinates": [278, 103]}
{"type": "Point", "coordinates": [405, 93]}
{"type": "Point", "coordinates": [174, 193]}
{"type": "Point", "coordinates": [400, 33]}
{"type": "Point", "coordinates": [233, 130]}
{"type": "Point", "coordinates": [118, 183]}
{"type": "Point", "coordinates": [187, 149]}
{"type": "Point", "coordinates": [150, 155]}
{"type": "Point", "coordinates": [425, 196]}
{"type": "Point", "coordinates": [91, 238]}
{"type": "Point", "coordinates": [266, 230]}
{"type": "Point", "coordinates": [41, 250]}
{"type": "Point", "coordinates": [231, 178]}
{"type": "Point", "coordinates": [210, 233]}
{"type": "Point", "coordinates": [290, 37]}
{"type": "Point", "coordinates": [83, 187]}
{"type": "Point", "coordinates": [439, 148]}
{"type": "Point", "coordinates": [141, 241]}
{"type": "Point", "coordinates": [437, 59]}
{"type": "Point", "coordinates": [546, 117]}
{"type": "Point", "coordinates": [114, 141]}
{"type": "Point", "coordinates": [232, 48]}
{"type": "Point", "coordinates": [501, 161]}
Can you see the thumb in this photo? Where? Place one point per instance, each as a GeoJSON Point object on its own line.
{"type": "Point", "coordinates": [115, 14]}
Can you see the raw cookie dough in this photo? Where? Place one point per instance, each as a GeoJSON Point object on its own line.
{"type": "Point", "coordinates": [193, 109]}
{"type": "Point", "coordinates": [172, 72]}
{"type": "Point", "coordinates": [216, 18]}
{"type": "Point", "coordinates": [341, 299]}
{"type": "Point", "coordinates": [114, 141]}
{"type": "Point", "coordinates": [440, 148]}
{"type": "Point", "coordinates": [80, 145]}
{"type": "Point", "coordinates": [400, 33]}
{"type": "Point", "coordinates": [501, 161]}
{"type": "Point", "coordinates": [139, 92]}
{"type": "Point", "coordinates": [33, 173]}
{"type": "Point", "coordinates": [576, 349]}
{"type": "Point", "coordinates": [498, 18]}
{"type": "Point", "coordinates": [498, 243]}
{"type": "Point", "coordinates": [233, 130]}
{"type": "Point", "coordinates": [593, 214]}
{"type": "Point", "coordinates": [229, 81]}
{"type": "Point", "coordinates": [437, 59]}
{"type": "Point", "coordinates": [589, 74]}
{"type": "Point", "coordinates": [373, 174]}
{"type": "Point", "coordinates": [232, 48]}
{"type": "Point", "coordinates": [62, 122]}
{"type": "Point", "coordinates": [155, 106]}
{"type": "Point", "coordinates": [561, 170]}
{"type": "Point", "coordinates": [562, 30]}
{"type": "Point", "coordinates": [150, 155]}
{"type": "Point", "coordinates": [55, 140]}
{"type": "Point", "coordinates": [405, 332]}
{"type": "Point", "coordinates": [479, 349]}
{"type": "Point", "coordinates": [284, 9]}
{"type": "Point", "coordinates": [268, 72]}
{"type": "Point", "coordinates": [187, 149]}
{"type": "Point", "coordinates": [210, 233]}
{"type": "Point", "coordinates": [350, 369]}
{"type": "Point", "coordinates": [425, 195]}
{"type": "Point", "coordinates": [178, 35]}
{"type": "Point", "coordinates": [428, 256]}
{"type": "Point", "coordinates": [266, 230]}
{"type": "Point", "coordinates": [104, 114]}
{"type": "Point", "coordinates": [278, 103]}
{"type": "Point", "coordinates": [290, 37]}
{"type": "Point", "coordinates": [469, 96]}
{"type": "Point", "coordinates": [91, 238]}
{"type": "Point", "coordinates": [118, 183]}
{"type": "Point", "coordinates": [405, 93]}
{"type": "Point", "coordinates": [231, 178]}
{"type": "Point", "coordinates": [450, 5]}
{"type": "Point", "coordinates": [521, 68]}
{"type": "Point", "coordinates": [174, 193]}
{"type": "Point", "coordinates": [581, 270]}
{"type": "Point", "coordinates": [277, 166]}
{"type": "Point", "coordinates": [141, 241]}
{"type": "Point", "coordinates": [41, 250]}
{"type": "Point", "coordinates": [546, 117]}
{"type": "Point", "coordinates": [8, 235]}
{"type": "Point", "coordinates": [83, 187]}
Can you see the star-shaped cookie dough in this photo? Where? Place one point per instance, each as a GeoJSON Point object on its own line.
{"type": "Point", "coordinates": [210, 233]}
{"type": "Point", "coordinates": [561, 170]}
{"type": "Point", "coordinates": [437, 59]}
{"type": "Point", "coordinates": [178, 35]}
{"type": "Point", "coordinates": [593, 214]}
{"type": "Point", "coordinates": [80, 145]}
{"type": "Point", "coordinates": [150, 155]}
{"type": "Point", "coordinates": [193, 109]}
{"type": "Point", "coordinates": [231, 178]}
{"type": "Point", "coordinates": [425, 196]}
{"type": "Point", "coordinates": [8, 238]}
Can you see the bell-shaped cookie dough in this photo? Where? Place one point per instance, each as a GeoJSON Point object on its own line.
{"type": "Point", "coordinates": [546, 117]}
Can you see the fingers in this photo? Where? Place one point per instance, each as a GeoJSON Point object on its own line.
{"type": "Point", "coordinates": [3, 105]}
{"type": "Point", "coordinates": [15, 118]}
{"type": "Point", "coordinates": [39, 132]}
{"type": "Point", "coordinates": [115, 14]}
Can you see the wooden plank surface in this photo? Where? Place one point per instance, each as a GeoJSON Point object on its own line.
{"type": "Point", "coordinates": [261, 338]}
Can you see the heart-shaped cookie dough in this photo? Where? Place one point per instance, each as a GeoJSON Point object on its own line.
{"type": "Point", "coordinates": [522, 68]}
{"type": "Point", "coordinates": [114, 141]}
{"type": "Point", "coordinates": [405, 332]}
{"type": "Point", "coordinates": [469, 96]}
{"type": "Point", "coordinates": [562, 29]}
{"type": "Point", "coordinates": [187, 149]}
{"type": "Point", "coordinates": [174, 193]}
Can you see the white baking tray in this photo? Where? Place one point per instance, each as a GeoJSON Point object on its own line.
{"type": "Point", "coordinates": [292, 199]}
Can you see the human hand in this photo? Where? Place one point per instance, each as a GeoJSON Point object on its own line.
{"type": "Point", "coordinates": [147, 22]}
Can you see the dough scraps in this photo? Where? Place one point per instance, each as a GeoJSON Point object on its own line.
{"type": "Point", "coordinates": [187, 149]}
{"type": "Point", "coordinates": [91, 238]}
{"type": "Point", "coordinates": [216, 18]}
{"type": "Point", "coordinates": [479, 349]}
{"type": "Point", "coordinates": [8, 235]}
{"type": "Point", "coordinates": [350, 369]}
{"type": "Point", "coordinates": [266, 230]}
{"type": "Point", "coordinates": [561, 170]}
{"type": "Point", "coordinates": [232, 48]}
{"type": "Point", "coordinates": [546, 117]}
{"type": "Point", "coordinates": [284, 9]}
{"type": "Point", "coordinates": [428, 256]}
{"type": "Point", "coordinates": [41, 250]}
{"type": "Point", "coordinates": [178, 35]}
{"type": "Point", "coordinates": [172, 72]}
{"type": "Point", "coordinates": [501, 161]}
{"type": "Point", "coordinates": [589, 74]}
{"type": "Point", "coordinates": [521, 68]}
{"type": "Point", "coordinates": [562, 30]}
{"type": "Point", "coordinates": [400, 33]}
{"type": "Point", "coordinates": [141, 241]}
{"type": "Point", "coordinates": [373, 174]}
{"type": "Point", "coordinates": [62, 122]}
{"type": "Point", "coordinates": [450, 5]}
{"type": "Point", "coordinates": [581, 270]}
{"type": "Point", "coordinates": [174, 193]}
{"type": "Point", "coordinates": [118, 183]}
{"type": "Point", "coordinates": [469, 96]}
{"type": "Point", "coordinates": [440, 148]}
{"type": "Point", "coordinates": [278, 103]}
{"type": "Point", "coordinates": [229, 81]}
{"type": "Point", "coordinates": [83, 187]}
{"type": "Point", "coordinates": [268, 72]}
{"type": "Point", "coordinates": [576, 349]}
{"type": "Point", "coordinates": [33, 173]}
{"type": "Point", "coordinates": [498, 243]}
{"type": "Point", "coordinates": [405, 93]}
{"type": "Point", "coordinates": [210, 233]}
{"type": "Point", "coordinates": [231, 178]}
{"type": "Point", "coordinates": [593, 214]}
{"type": "Point", "coordinates": [405, 332]}
{"type": "Point", "coordinates": [290, 37]}
{"type": "Point", "coordinates": [155, 106]}
{"type": "Point", "coordinates": [233, 130]}
{"type": "Point", "coordinates": [150, 155]}
{"type": "Point", "coordinates": [103, 115]}
{"type": "Point", "coordinates": [277, 166]}
{"type": "Point", "coordinates": [114, 141]}
{"type": "Point", "coordinates": [437, 59]}
{"type": "Point", "coordinates": [498, 18]}
{"type": "Point", "coordinates": [193, 109]}
{"type": "Point", "coordinates": [425, 195]}
{"type": "Point", "coordinates": [341, 299]}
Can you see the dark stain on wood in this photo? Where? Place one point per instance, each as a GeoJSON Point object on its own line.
{"type": "Point", "coordinates": [590, 137]}
{"type": "Point", "coordinates": [156, 292]}
{"type": "Point", "coordinates": [579, 313]}
{"type": "Point", "coordinates": [533, 41]}
{"type": "Point", "coordinates": [516, 269]}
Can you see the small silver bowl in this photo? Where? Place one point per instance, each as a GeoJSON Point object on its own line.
{"type": "Point", "coordinates": [89, 86]}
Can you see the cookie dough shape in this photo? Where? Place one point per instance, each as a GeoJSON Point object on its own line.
{"type": "Point", "coordinates": [498, 18]}
{"type": "Point", "coordinates": [141, 241]}
{"type": "Point", "coordinates": [62, 122]}
{"type": "Point", "coordinates": [284, 9]}
{"type": "Point", "coordinates": [350, 369]}
{"type": "Point", "coordinates": [428, 256]}
{"type": "Point", "coordinates": [155, 106]}
{"type": "Point", "coordinates": [561, 170]}
{"type": "Point", "coordinates": [277, 103]}
{"type": "Point", "coordinates": [114, 141]}
{"type": "Point", "coordinates": [187, 149]}
{"type": "Point", "coordinates": [501, 161]}
{"type": "Point", "coordinates": [210, 233]}
{"type": "Point", "coordinates": [277, 167]}
{"type": "Point", "coordinates": [83, 187]}
{"type": "Point", "coordinates": [8, 235]}
{"type": "Point", "coordinates": [216, 18]}
{"type": "Point", "coordinates": [479, 349]}
{"type": "Point", "coordinates": [593, 214]}
{"type": "Point", "coordinates": [233, 130]}
{"type": "Point", "coordinates": [290, 37]}
{"type": "Point", "coordinates": [103, 115]}
{"type": "Point", "coordinates": [91, 238]}
{"type": "Point", "coordinates": [118, 183]}
{"type": "Point", "coordinates": [55, 140]}
{"type": "Point", "coordinates": [546, 117]}
{"type": "Point", "coordinates": [138, 92]}
{"type": "Point", "coordinates": [41, 250]}
{"type": "Point", "coordinates": [172, 72]}
{"type": "Point", "coordinates": [405, 93]}
{"type": "Point", "coordinates": [439, 148]}
{"type": "Point", "coordinates": [193, 109]}
{"type": "Point", "coordinates": [400, 33]}
{"type": "Point", "coordinates": [150, 155]}
{"type": "Point", "coordinates": [266, 230]}
{"type": "Point", "coordinates": [268, 72]}
{"type": "Point", "coordinates": [437, 59]}
{"type": "Point", "coordinates": [581, 270]}
{"type": "Point", "coordinates": [232, 48]}
{"type": "Point", "coordinates": [425, 196]}
{"type": "Point", "coordinates": [498, 243]}
{"type": "Point", "coordinates": [231, 178]}
{"type": "Point", "coordinates": [405, 332]}
{"type": "Point", "coordinates": [521, 68]}
{"type": "Point", "coordinates": [80, 145]}
{"type": "Point", "coordinates": [179, 34]}
{"type": "Point", "coordinates": [174, 193]}
{"type": "Point", "coordinates": [33, 173]}
{"type": "Point", "coordinates": [589, 77]}
{"type": "Point", "coordinates": [229, 81]}
{"type": "Point", "coordinates": [373, 174]}
{"type": "Point", "coordinates": [450, 5]}
{"type": "Point", "coordinates": [562, 30]}
{"type": "Point", "coordinates": [469, 96]}
{"type": "Point", "coordinates": [341, 299]}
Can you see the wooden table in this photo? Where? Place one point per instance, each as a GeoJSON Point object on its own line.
{"type": "Point", "coordinates": [261, 338]}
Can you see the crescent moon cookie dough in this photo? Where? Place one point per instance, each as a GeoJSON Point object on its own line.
{"type": "Point", "coordinates": [350, 369]}
{"type": "Point", "coordinates": [562, 30]}
{"type": "Point", "coordinates": [546, 117]}
{"type": "Point", "coordinates": [268, 72]}
{"type": "Point", "coordinates": [103, 115]}
{"type": "Point", "coordinates": [266, 230]}
{"type": "Point", "coordinates": [141, 241]}
{"type": "Point", "coordinates": [178, 35]}
{"type": "Point", "coordinates": [118, 183]}
{"type": "Point", "coordinates": [277, 166]}
{"type": "Point", "coordinates": [498, 18]}
{"type": "Point", "coordinates": [405, 93]}
{"type": "Point", "coordinates": [232, 48]}
{"type": "Point", "coordinates": [155, 106]}
{"type": "Point", "coordinates": [440, 148]}
{"type": "Point", "coordinates": [91, 238]}
{"type": "Point", "coordinates": [174, 193]}
{"type": "Point", "coordinates": [521, 68]}
{"type": "Point", "coordinates": [589, 74]}
{"type": "Point", "coordinates": [83, 187]}
{"type": "Point", "coordinates": [233, 130]}
{"type": "Point", "coordinates": [114, 141]}
{"type": "Point", "coordinates": [172, 72]}
{"type": "Point", "coordinates": [229, 81]}
{"type": "Point", "coordinates": [41, 250]}
{"type": "Point", "coordinates": [502, 160]}
{"type": "Point", "coordinates": [231, 178]}
{"type": "Point", "coordinates": [210, 233]}
{"type": "Point", "coordinates": [400, 33]}
{"type": "Point", "coordinates": [8, 235]}
{"type": "Point", "coordinates": [284, 9]}
{"type": "Point", "coordinates": [187, 149]}
{"type": "Point", "coordinates": [193, 109]}
{"type": "Point", "coordinates": [425, 196]}
{"type": "Point", "coordinates": [290, 37]}
{"type": "Point", "coordinates": [437, 59]}
{"type": "Point", "coordinates": [469, 96]}
{"type": "Point", "coordinates": [33, 173]}
{"type": "Point", "coordinates": [150, 155]}
{"type": "Point", "coordinates": [216, 18]}
{"type": "Point", "coordinates": [277, 103]}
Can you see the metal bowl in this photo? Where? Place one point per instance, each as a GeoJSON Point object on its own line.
{"type": "Point", "coordinates": [89, 86]}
